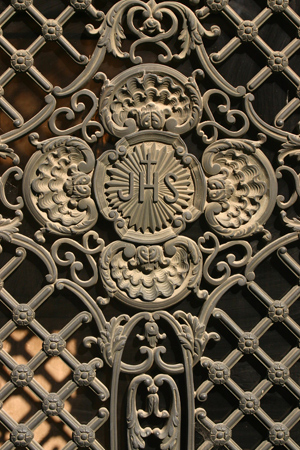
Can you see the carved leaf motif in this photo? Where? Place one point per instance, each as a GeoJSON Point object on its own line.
{"type": "Point", "coordinates": [111, 339]}
{"type": "Point", "coordinates": [6, 152]}
{"type": "Point", "coordinates": [293, 142]}
{"type": "Point", "coordinates": [184, 37]}
{"type": "Point", "coordinates": [169, 434]}
{"type": "Point", "coordinates": [293, 223]}
{"type": "Point", "coordinates": [151, 31]}
{"type": "Point", "coordinates": [119, 35]}
{"type": "Point", "coordinates": [112, 33]}
{"type": "Point", "coordinates": [10, 226]}
{"type": "Point", "coordinates": [193, 334]}
{"type": "Point", "coordinates": [150, 187]}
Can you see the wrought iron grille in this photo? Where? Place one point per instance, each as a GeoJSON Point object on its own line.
{"type": "Point", "coordinates": [149, 267]}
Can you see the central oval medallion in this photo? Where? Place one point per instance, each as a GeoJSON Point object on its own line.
{"type": "Point", "coordinates": [149, 186]}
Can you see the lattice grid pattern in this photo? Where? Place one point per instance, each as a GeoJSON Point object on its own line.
{"type": "Point", "coordinates": [141, 205]}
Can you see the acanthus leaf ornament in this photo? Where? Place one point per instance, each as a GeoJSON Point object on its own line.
{"type": "Point", "coordinates": [194, 336]}
{"type": "Point", "coordinates": [150, 189]}
{"type": "Point", "coordinates": [156, 25]}
{"type": "Point", "coordinates": [144, 20]}
{"type": "Point", "coordinates": [169, 434]}
{"type": "Point", "coordinates": [111, 339]}
{"type": "Point", "coordinates": [9, 226]}
{"type": "Point", "coordinates": [149, 186]}
{"type": "Point", "coordinates": [57, 185]}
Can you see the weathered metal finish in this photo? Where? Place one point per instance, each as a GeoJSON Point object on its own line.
{"type": "Point", "coordinates": [151, 185]}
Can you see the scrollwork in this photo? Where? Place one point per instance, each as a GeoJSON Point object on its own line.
{"type": "Point", "coordinates": [291, 152]}
{"type": "Point", "coordinates": [269, 130]}
{"type": "Point", "coordinates": [151, 189]}
{"type": "Point", "coordinates": [231, 116]}
{"type": "Point", "coordinates": [268, 250]}
{"type": "Point", "coordinates": [79, 107]}
{"type": "Point", "coordinates": [169, 434]}
{"type": "Point", "coordinates": [151, 29]}
{"type": "Point", "coordinates": [18, 173]}
{"type": "Point", "coordinates": [114, 334]}
{"type": "Point", "coordinates": [70, 259]}
{"type": "Point", "coordinates": [222, 266]}
{"type": "Point", "coordinates": [6, 152]}
{"type": "Point", "coordinates": [10, 233]}
{"type": "Point", "coordinates": [32, 123]}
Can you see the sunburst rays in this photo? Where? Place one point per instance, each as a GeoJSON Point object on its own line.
{"type": "Point", "coordinates": [145, 212]}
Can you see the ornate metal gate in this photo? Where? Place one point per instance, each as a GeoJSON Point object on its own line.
{"type": "Point", "coordinates": [149, 274]}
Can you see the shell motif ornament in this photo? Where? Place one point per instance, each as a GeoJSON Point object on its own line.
{"type": "Point", "coordinates": [242, 188]}
{"type": "Point", "coordinates": [151, 276]}
{"type": "Point", "coordinates": [150, 97]}
{"type": "Point", "coordinates": [57, 186]}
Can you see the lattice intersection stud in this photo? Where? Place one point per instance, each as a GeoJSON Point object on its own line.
{"type": "Point", "coordinates": [156, 211]}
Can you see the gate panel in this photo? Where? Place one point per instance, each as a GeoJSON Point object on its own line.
{"type": "Point", "coordinates": [149, 266]}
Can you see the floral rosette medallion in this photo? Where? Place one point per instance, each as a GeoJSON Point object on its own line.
{"type": "Point", "coordinates": [149, 186]}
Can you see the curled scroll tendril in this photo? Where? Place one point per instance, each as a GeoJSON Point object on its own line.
{"type": "Point", "coordinates": [79, 107]}
{"type": "Point", "coordinates": [3, 181]}
{"type": "Point", "coordinates": [70, 259]}
{"type": "Point", "coordinates": [147, 22]}
{"type": "Point", "coordinates": [231, 116]}
{"type": "Point", "coordinates": [290, 151]}
{"type": "Point", "coordinates": [222, 266]}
